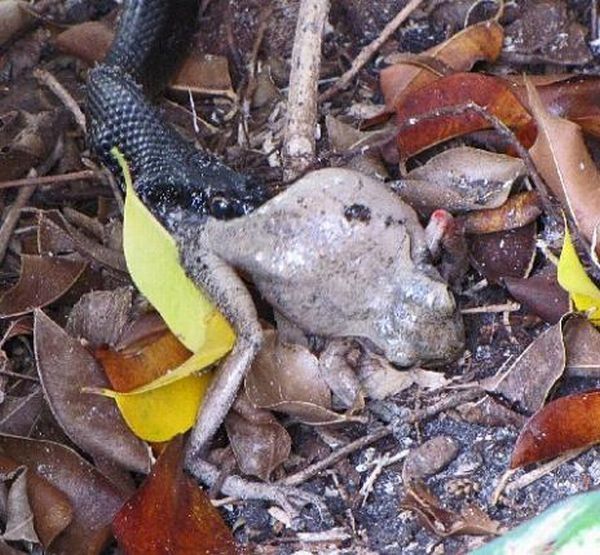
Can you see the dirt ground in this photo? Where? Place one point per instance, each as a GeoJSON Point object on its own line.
{"type": "Point", "coordinates": [374, 520]}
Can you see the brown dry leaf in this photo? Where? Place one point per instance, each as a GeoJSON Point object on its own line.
{"type": "Point", "coordinates": [13, 19]}
{"type": "Point", "coordinates": [443, 522]}
{"type": "Point", "coordinates": [571, 422]}
{"type": "Point", "coordinates": [100, 316]}
{"type": "Point", "coordinates": [519, 210]}
{"type": "Point", "coordinates": [455, 91]}
{"type": "Point", "coordinates": [505, 253]}
{"type": "Point", "coordinates": [43, 280]}
{"type": "Point", "coordinates": [259, 442]}
{"type": "Point", "coordinates": [482, 41]}
{"type": "Point", "coordinates": [92, 422]}
{"type": "Point", "coordinates": [51, 509]}
{"type": "Point", "coordinates": [170, 513]}
{"type": "Point", "coordinates": [540, 294]}
{"type": "Point", "coordinates": [286, 378]}
{"type": "Point", "coordinates": [88, 41]}
{"type": "Point", "coordinates": [582, 341]}
{"type": "Point", "coordinates": [526, 384]}
{"type": "Point", "coordinates": [461, 179]}
{"type": "Point", "coordinates": [94, 499]}
{"type": "Point", "coordinates": [429, 458]}
{"type": "Point", "coordinates": [204, 74]}
{"type": "Point", "coordinates": [564, 162]}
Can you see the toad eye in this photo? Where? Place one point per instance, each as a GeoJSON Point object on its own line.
{"type": "Point", "coordinates": [220, 207]}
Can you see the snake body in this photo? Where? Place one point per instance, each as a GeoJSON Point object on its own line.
{"type": "Point", "coordinates": [170, 173]}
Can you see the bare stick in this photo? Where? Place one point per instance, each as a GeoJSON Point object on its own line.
{"type": "Point", "coordinates": [50, 179]}
{"type": "Point", "coordinates": [63, 95]}
{"type": "Point", "coordinates": [288, 498]}
{"type": "Point", "coordinates": [369, 51]}
{"type": "Point", "coordinates": [299, 141]}
{"type": "Point", "coordinates": [411, 417]}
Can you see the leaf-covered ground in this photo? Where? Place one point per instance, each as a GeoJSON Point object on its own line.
{"type": "Point", "coordinates": [484, 116]}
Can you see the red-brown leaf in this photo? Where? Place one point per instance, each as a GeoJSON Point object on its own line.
{"type": "Point", "coordinates": [171, 514]}
{"type": "Point", "coordinates": [489, 92]}
{"type": "Point", "coordinates": [482, 41]}
{"type": "Point", "coordinates": [567, 423]}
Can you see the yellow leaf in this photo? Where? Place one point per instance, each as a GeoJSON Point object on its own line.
{"type": "Point", "coordinates": [153, 262]}
{"type": "Point", "coordinates": [573, 278]}
{"type": "Point", "coordinates": [168, 405]}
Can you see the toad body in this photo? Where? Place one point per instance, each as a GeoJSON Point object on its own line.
{"type": "Point", "coordinates": [337, 255]}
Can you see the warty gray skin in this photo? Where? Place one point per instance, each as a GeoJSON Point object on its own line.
{"type": "Point", "coordinates": [338, 255]}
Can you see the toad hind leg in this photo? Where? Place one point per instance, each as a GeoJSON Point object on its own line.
{"type": "Point", "coordinates": [228, 292]}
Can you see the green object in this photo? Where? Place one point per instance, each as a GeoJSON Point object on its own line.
{"type": "Point", "coordinates": [571, 527]}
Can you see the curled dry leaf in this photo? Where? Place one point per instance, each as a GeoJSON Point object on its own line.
{"type": "Point", "coordinates": [460, 180]}
{"type": "Point", "coordinates": [43, 280]}
{"type": "Point", "coordinates": [482, 41]}
{"type": "Point", "coordinates": [458, 90]}
{"type": "Point", "coordinates": [286, 378]}
{"type": "Point", "coordinates": [340, 373]}
{"type": "Point", "coordinates": [540, 294]}
{"type": "Point", "coordinates": [19, 516]}
{"type": "Point", "coordinates": [260, 443]}
{"type": "Point", "coordinates": [100, 316]}
{"type": "Point", "coordinates": [93, 498]}
{"type": "Point", "coordinates": [567, 423]}
{"type": "Point", "coordinates": [504, 253]}
{"type": "Point", "coordinates": [92, 422]}
{"type": "Point", "coordinates": [472, 520]}
{"type": "Point", "coordinates": [564, 162]}
{"type": "Point", "coordinates": [171, 514]}
{"type": "Point", "coordinates": [51, 509]}
{"type": "Point", "coordinates": [429, 458]}
{"type": "Point", "coordinates": [519, 210]}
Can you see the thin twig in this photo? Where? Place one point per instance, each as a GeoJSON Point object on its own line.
{"type": "Point", "coordinates": [299, 147]}
{"type": "Point", "coordinates": [369, 51]}
{"type": "Point", "coordinates": [50, 179]}
{"type": "Point", "coordinates": [12, 217]}
{"type": "Point", "coordinates": [414, 416]}
{"type": "Point", "coordinates": [63, 95]}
